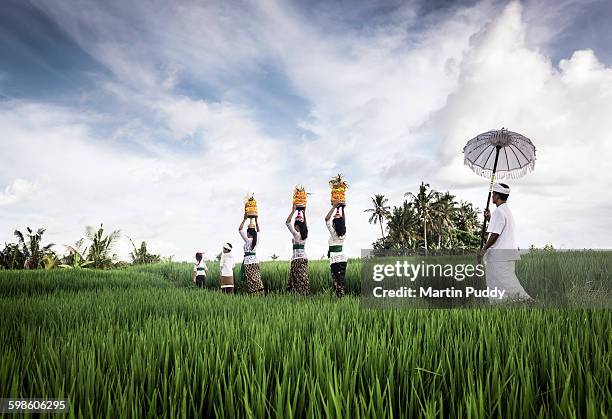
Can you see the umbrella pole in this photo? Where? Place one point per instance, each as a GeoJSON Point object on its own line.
{"type": "Point", "coordinates": [484, 222]}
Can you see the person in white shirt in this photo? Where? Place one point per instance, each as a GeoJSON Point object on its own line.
{"type": "Point", "coordinates": [200, 270]}
{"type": "Point", "coordinates": [298, 275]}
{"type": "Point", "coordinates": [335, 253]}
{"type": "Point", "coordinates": [501, 251]}
{"type": "Point", "coordinates": [250, 265]}
{"type": "Point", "coordinates": [226, 265]}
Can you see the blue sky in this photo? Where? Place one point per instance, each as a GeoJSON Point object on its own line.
{"type": "Point", "coordinates": [157, 117]}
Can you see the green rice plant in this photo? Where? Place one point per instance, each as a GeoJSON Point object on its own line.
{"type": "Point", "coordinates": [136, 343]}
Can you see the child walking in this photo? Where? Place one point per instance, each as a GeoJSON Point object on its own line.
{"type": "Point", "coordinates": [200, 270]}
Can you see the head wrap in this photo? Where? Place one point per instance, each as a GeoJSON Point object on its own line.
{"type": "Point", "coordinates": [500, 189]}
{"type": "Point", "coordinates": [227, 246]}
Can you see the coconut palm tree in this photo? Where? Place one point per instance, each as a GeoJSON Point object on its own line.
{"type": "Point", "coordinates": [31, 247]}
{"type": "Point", "coordinates": [444, 209]}
{"type": "Point", "coordinates": [423, 202]}
{"type": "Point", "coordinates": [101, 246]}
{"type": "Point", "coordinates": [379, 211]}
{"type": "Point", "coordinates": [402, 227]}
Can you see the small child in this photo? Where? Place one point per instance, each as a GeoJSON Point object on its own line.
{"type": "Point", "coordinates": [199, 270]}
{"type": "Point", "coordinates": [227, 269]}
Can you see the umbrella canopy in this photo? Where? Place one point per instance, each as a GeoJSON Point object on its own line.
{"type": "Point", "coordinates": [499, 154]}
{"type": "Point", "coordinates": [515, 159]}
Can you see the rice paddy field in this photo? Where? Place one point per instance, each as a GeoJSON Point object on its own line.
{"type": "Point", "coordinates": [144, 342]}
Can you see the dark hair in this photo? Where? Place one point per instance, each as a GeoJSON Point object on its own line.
{"type": "Point", "coordinates": [253, 233]}
{"type": "Point", "coordinates": [339, 226]}
{"type": "Point", "coordinates": [302, 228]}
{"type": "Point", "coordinates": [503, 196]}
{"type": "Point", "coordinates": [199, 257]}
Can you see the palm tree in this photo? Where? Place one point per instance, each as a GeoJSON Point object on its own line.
{"type": "Point", "coordinates": [467, 224]}
{"type": "Point", "coordinates": [101, 246]}
{"type": "Point", "coordinates": [30, 244]}
{"type": "Point", "coordinates": [380, 211]}
{"type": "Point", "coordinates": [402, 226]}
{"type": "Point", "coordinates": [423, 202]}
{"type": "Point", "coordinates": [444, 209]}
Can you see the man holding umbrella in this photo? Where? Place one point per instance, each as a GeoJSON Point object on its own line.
{"type": "Point", "coordinates": [501, 252]}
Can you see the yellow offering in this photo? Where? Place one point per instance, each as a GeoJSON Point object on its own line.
{"type": "Point", "coordinates": [250, 206]}
{"type": "Point", "coordinates": [299, 197]}
{"type": "Point", "coordinates": [338, 190]}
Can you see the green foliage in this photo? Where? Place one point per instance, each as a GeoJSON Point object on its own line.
{"type": "Point", "coordinates": [426, 220]}
{"type": "Point", "coordinates": [141, 256]}
{"type": "Point", "coordinates": [11, 257]}
{"type": "Point", "coordinates": [380, 211]}
{"type": "Point", "coordinates": [127, 343]}
{"type": "Point", "coordinates": [28, 252]}
{"type": "Point", "coordinates": [76, 257]}
{"type": "Point", "coordinates": [101, 247]}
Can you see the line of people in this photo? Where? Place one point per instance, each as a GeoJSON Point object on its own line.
{"type": "Point", "coordinates": [298, 281]}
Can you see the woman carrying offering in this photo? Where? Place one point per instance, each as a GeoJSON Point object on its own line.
{"type": "Point", "coordinates": [298, 275]}
{"type": "Point", "coordinates": [250, 265]}
{"type": "Point", "coordinates": [337, 258]}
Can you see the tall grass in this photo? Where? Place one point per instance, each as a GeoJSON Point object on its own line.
{"type": "Point", "coordinates": [133, 343]}
{"type": "Point", "coordinates": [553, 276]}
{"type": "Point", "coordinates": [274, 275]}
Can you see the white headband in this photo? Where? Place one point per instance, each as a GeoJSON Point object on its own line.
{"type": "Point", "coordinates": [227, 246]}
{"type": "Point", "coordinates": [500, 189]}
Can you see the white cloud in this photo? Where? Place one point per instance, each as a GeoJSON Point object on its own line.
{"type": "Point", "coordinates": [564, 110]}
{"type": "Point", "coordinates": [16, 191]}
{"type": "Point", "coordinates": [388, 106]}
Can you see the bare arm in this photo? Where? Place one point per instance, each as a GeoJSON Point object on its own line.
{"type": "Point", "coordinates": [491, 241]}
{"type": "Point", "coordinates": [242, 223]}
{"type": "Point", "coordinates": [330, 212]}
{"type": "Point", "coordinates": [257, 224]}
{"type": "Point", "coordinates": [290, 215]}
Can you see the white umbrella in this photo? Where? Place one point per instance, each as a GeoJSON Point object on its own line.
{"type": "Point", "coordinates": [499, 154]}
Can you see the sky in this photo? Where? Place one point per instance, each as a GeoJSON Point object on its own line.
{"type": "Point", "coordinates": [158, 117]}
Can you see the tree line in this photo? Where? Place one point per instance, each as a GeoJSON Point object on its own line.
{"type": "Point", "coordinates": [425, 220]}
{"type": "Point", "coordinates": [95, 250]}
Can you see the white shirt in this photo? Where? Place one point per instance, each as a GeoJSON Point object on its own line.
{"type": "Point", "coordinates": [247, 248]}
{"type": "Point", "coordinates": [297, 239]}
{"type": "Point", "coordinates": [200, 268]}
{"type": "Point", "coordinates": [335, 240]}
{"type": "Point", "coordinates": [227, 264]}
{"type": "Point", "coordinates": [502, 223]}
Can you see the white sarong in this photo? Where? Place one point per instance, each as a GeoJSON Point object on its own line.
{"type": "Point", "coordinates": [501, 274]}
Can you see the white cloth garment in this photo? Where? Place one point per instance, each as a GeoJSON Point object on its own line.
{"type": "Point", "coordinates": [297, 239]}
{"type": "Point", "coordinates": [248, 247]}
{"type": "Point", "coordinates": [502, 223]}
{"type": "Point", "coordinates": [501, 275]}
{"type": "Point", "coordinates": [501, 189]}
{"type": "Point", "coordinates": [335, 240]}
{"type": "Point", "coordinates": [200, 268]}
{"type": "Point", "coordinates": [227, 264]}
